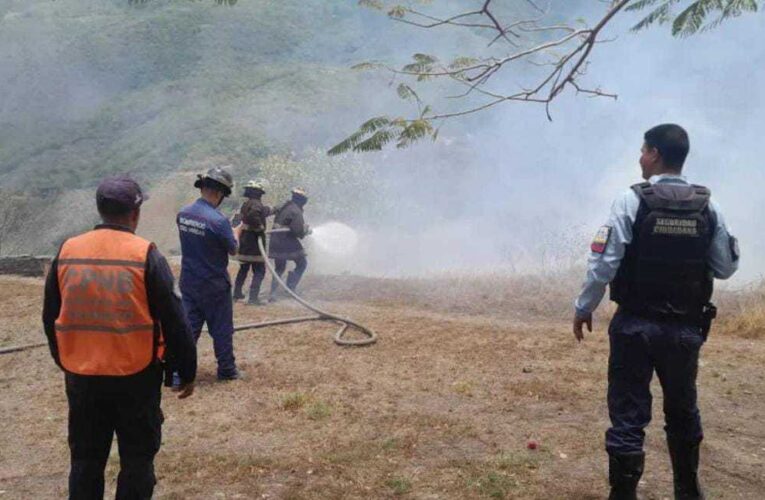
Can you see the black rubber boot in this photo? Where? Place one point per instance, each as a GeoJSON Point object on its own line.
{"type": "Point", "coordinates": [685, 469]}
{"type": "Point", "coordinates": [258, 273]}
{"type": "Point", "coordinates": [624, 472]}
{"type": "Point", "coordinates": [273, 295]}
{"type": "Point", "coordinates": [274, 287]}
{"type": "Point", "coordinates": [293, 279]}
{"type": "Point", "coordinates": [241, 276]}
{"type": "Point", "coordinates": [257, 280]}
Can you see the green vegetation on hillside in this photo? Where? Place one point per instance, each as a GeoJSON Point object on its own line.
{"type": "Point", "coordinates": [93, 88]}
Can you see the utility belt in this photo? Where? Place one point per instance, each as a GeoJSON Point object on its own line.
{"type": "Point", "coordinates": [703, 320]}
{"type": "Point", "coordinates": [253, 229]}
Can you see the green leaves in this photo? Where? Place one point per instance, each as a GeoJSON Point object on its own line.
{"type": "Point", "coordinates": [692, 19]}
{"type": "Point", "coordinates": [367, 138]}
{"type": "Point", "coordinates": [658, 15]}
{"type": "Point", "coordinates": [375, 124]}
{"type": "Point", "coordinates": [398, 12]}
{"type": "Point", "coordinates": [366, 65]}
{"type": "Point", "coordinates": [463, 62]}
{"type": "Point", "coordinates": [697, 15]}
{"type": "Point", "coordinates": [372, 4]}
{"type": "Point", "coordinates": [382, 130]}
{"type": "Point", "coordinates": [406, 92]}
{"type": "Point", "coordinates": [413, 132]}
{"type": "Point", "coordinates": [422, 66]}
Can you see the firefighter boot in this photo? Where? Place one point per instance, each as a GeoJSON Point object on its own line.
{"type": "Point", "coordinates": [293, 279]}
{"type": "Point", "coordinates": [255, 291]}
{"type": "Point", "coordinates": [241, 276]}
{"type": "Point", "coordinates": [624, 471]}
{"type": "Point", "coordinates": [685, 467]}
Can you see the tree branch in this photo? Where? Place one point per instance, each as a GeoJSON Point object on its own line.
{"type": "Point", "coordinates": [576, 45]}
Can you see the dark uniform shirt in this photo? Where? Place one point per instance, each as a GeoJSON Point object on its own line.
{"type": "Point", "coordinates": [614, 237]}
{"type": "Point", "coordinates": [286, 245]}
{"type": "Point", "coordinates": [164, 304]}
{"type": "Point", "coordinates": [253, 214]}
{"type": "Point", "coordinates": [206, 242]}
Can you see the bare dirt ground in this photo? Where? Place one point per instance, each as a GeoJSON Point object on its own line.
{"type": "Point", "coordinates": [442, 407]}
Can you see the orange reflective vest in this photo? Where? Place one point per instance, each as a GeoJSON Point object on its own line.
{"type": "Point", "coordinates": [105, 326]}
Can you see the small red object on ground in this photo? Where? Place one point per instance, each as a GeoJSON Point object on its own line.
{"type": "Point", "coordinates": [532, 445]}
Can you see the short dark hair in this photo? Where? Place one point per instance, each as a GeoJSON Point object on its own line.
{"type": "Point", "coordinates": [112, 208]}
{"type": "Point", "coordinates": [671, 141]}
{"type": "Point", "coordinates": [214, 185]}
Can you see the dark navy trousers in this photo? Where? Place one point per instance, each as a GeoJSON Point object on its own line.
{"type": "Point", "coordinates": [638, 348]}
{"type": "Point", "coordinates": [217, 310]}
{"type": "Point", "coordinates": [99, 408]}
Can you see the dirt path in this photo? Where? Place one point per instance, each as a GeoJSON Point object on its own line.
{"type": "Point", "coordinates": [441, 407]}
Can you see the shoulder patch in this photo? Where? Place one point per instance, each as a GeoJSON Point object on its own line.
{"type": "Point", "coordinates": [600, 241]}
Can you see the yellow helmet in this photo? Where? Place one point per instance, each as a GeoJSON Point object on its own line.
{"type": "Point", "coordinates": [300, 192]}
{"type": "Point", "coordinates": [255, 185]}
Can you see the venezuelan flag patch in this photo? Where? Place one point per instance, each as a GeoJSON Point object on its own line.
{"type": "Point", "coordinates": [600, 241]}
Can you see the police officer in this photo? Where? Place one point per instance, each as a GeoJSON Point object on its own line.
{"type": "Point", "coordinates": [207, 240]}
{"type": "Point", "coordinates": [253, 216]}
{"type": "Point", "coordinates": [664, 243]}
{"type": "Point", "coordinates": [289, 228]}
{"type": "Point", "coordinates": [111, 317]}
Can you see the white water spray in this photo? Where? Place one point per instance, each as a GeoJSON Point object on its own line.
{"type": "Point", "coordinates": [335, 238]}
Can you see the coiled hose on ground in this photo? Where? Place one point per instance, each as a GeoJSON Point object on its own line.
{"type": "Point", "coordinates": [370, 337]}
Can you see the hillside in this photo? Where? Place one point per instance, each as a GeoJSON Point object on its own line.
{"type": "Point", "coordinates": [169, 87]}
{"type": "Point", "coordinates": [95, 88]}
{"type": "Point", "coordinates": [91, 88]}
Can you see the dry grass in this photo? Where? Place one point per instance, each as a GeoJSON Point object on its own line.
{"type": "Point", "coordinates": [441, 407]}
{"type": "Point", "coordinates": [546, 295]}
{"type": "Point", "coordinates": [743, 312]}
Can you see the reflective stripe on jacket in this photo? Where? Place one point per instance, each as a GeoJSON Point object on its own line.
{"type": "Point", "coordinates": [105, 326]}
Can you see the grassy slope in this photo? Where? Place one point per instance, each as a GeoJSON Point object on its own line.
{"type": "Point", "coordinates": [162, 86]}
{"type": "Point", "coordinates": [93, 88]}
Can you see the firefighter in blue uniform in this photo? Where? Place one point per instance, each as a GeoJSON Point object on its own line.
{"type": "Point", "coordinates": [207, 240]}
{"type": "Point", "coordinates": [663, 245]}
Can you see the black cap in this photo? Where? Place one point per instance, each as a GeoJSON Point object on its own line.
{"type": "Point", "coordinates": [122, 190]}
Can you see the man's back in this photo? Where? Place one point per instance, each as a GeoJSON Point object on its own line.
{"type": "Point", "coordinates": [664, 273]}
{"type": "Point", "coordinates": [105, 326]}
{"type": "Point", "coordinates": [206, 242]}
{"type": "Point", "coordinates": [605, 261]}
{"type": "Point", "coordinates": [663, 244]}
{"type": "Point", "coordinates": [112, 318]}
{"type": "Point", "coordinates": [254, 214]}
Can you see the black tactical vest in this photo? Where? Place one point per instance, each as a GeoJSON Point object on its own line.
{"type": "Point", "coordinates": [664, 274]}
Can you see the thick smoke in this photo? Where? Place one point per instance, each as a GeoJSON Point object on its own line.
{"type": "Point", "coordinates": [509, 190]}
{"type": "Point", "coordinates": [504, 190]}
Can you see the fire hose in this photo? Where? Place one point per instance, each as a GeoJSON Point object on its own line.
{"type": "Point", "coordinates": [24, 347]}
{"type": "Point", "coordinates": [370, 337]}
{"type": "Point", "coordinates": [321, 315]}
